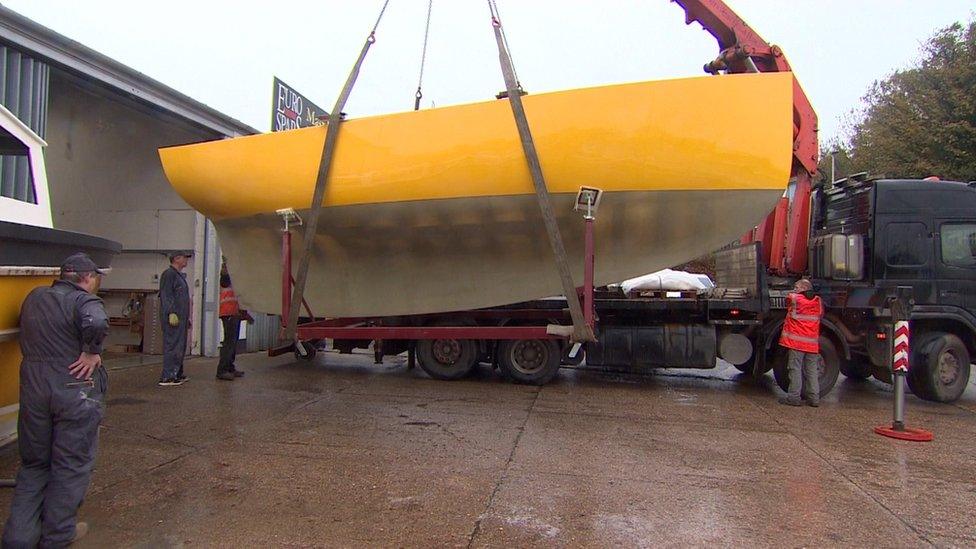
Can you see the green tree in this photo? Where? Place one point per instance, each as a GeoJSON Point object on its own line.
{"type": "Point", "coordinates": [921, 121]}
{"type": "Point", "coordinates": [842, 163]}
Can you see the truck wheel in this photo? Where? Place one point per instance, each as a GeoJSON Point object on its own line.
{"type": "Point", "coordinates": [829, 366]}
{"type": "Point", "coordinates": [309, 351]}
{"type": "Point", "coordinates": [566, 360]}
{"type": "Point", "coordinates": [447, 359]}
{"type": "Point", "coordinates": [855, 368]}
{"type": "Point", "coordinates": [940, 368]}
{"type": "Point", "coordinates": [530, 361]}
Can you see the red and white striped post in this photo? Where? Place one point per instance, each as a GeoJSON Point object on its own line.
{"type": "Point", "coordinates": [900, 363]}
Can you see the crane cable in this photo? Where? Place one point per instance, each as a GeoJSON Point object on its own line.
{"type": "Point", "coordinates": [423, 60]}
{"type": "Point", "coordinates": [321, 179]}
{"type": "Point", "coordinates": [496, 21]}
{"type": "Point", "coordinates": [372, 33]}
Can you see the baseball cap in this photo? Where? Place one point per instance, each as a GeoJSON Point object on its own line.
{"type": "Point", "coordinates": [80, 263]}
{"type": "Point", "coordinates": [184, 253]}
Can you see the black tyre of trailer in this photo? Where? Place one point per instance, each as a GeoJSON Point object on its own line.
{"type": "Point", "coordinates": [567, 360]}
{"type": "Point", "coordinates": [769, 360]}
{"type": "Point", "coordinates": [529, 361]}
{"type": "Point", "coordinates": [857, 368]}
{"type": "Point", "coordinates": [940, 367]}
{"type": "Point", "coordinates": [447, 359]}
{"type": "Point", "coordinates": [829, 366]}
{"type": "Point", "coordinates": [309, 351]}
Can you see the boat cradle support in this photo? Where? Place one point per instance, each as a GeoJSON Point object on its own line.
{"type": "Point", "coordinates": [414, 328]}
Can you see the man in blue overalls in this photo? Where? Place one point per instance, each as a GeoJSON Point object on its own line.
{"type": "Point", "coordinates": [174, 302]}
{"type": "Point", "coordinates": [62, 391]}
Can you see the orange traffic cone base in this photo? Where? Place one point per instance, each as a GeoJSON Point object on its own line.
{"type": "Point", "coordinates": [908, 433]}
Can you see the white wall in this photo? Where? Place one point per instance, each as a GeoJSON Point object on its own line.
{"type": "Point", "coordinates": [106, 179]}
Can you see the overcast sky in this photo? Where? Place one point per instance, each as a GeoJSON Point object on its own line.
{"type": "Point", "coordinates": [225, 53]}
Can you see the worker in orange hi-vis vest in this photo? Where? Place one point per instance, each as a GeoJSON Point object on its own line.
{"type": "Point", "coordinates": [801, 333]}
{"type": "Point", "coordinates": [231, 316]}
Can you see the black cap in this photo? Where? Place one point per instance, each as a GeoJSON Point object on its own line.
{"type": "Point", "coordinates": [185, 253]}
{"type": "Point", "coordinates": [80, 263]}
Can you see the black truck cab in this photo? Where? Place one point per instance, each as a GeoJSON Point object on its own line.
{"type": "Point", "coordinates": [870, 236]}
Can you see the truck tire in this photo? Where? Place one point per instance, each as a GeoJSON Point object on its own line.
{"type": "Point", "coordinates": [940, 367]}
{"type": "Point", "coordinates": [309, 348]}
{"type": "Point", "coordinates": [829, 366]}
{"type": "Point", "coordinates": [447, 359]}
{"type": "Point", "coordinates": [529, 361]}
{"type": "Point", "coordinates": [857, 368]}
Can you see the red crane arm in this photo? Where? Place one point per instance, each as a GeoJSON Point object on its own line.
{"type": "Point", "coordinates": [741, 49]}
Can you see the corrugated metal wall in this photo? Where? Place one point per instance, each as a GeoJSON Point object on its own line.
{"type": "Point", "coordinates": [263, 334]}
{"type": "Point", "coordinates": [24, 85]}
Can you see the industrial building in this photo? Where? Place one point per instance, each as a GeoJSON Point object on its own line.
{"type": "Point", "coordinates": [103, 123]}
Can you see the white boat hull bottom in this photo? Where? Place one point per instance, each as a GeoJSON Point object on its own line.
{"type": "Point", "coordinates": [446, 255]}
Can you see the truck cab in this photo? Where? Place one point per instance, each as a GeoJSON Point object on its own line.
{"type": "Point", "coordinates": [871, 236]}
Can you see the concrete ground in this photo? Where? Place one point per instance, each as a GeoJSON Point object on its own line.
{"type": "Point", "coordinates": [343, 453]}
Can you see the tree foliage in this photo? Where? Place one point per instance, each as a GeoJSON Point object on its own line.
{"type": "Point", "coordinates": [919, 121]}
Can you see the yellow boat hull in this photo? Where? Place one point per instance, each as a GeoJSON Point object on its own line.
{"type": "Point", "coordinates": [434, 210]}
{"type": "Point", "coordinates": [13, 289]}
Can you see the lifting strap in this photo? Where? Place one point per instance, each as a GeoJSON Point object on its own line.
{"type": "Point", "coordinates": [325, 165]}
{"type": "Point", "coordinates": [423, 60]}
{"type": "Point", "coordinates": [581, 331]}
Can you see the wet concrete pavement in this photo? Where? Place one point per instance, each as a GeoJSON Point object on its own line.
{"type": "Point", "coordinates": [343, 453]}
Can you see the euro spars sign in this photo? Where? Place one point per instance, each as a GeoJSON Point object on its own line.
{"type": "Point", "coordinates": [291, 110]}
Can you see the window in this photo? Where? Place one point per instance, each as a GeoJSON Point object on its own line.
{"type": "Point", "coordinates": [16, 179]}
{"type": "Point", "coordinates": [906, 244]}
{"type": "Point", "coordinates": [959, 244]}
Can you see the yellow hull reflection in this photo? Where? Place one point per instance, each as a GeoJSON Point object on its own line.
{"type": "Point", "coordinates": [13, 290]}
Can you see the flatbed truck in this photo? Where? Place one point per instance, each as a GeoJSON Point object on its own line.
{"type": "Point", "coordinates": [860, 240]}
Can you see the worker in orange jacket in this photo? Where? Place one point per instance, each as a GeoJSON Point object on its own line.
{"type": "Point", "coordinates": [801, 333]}
{"type": "Point", "coordinates": [231, 316]}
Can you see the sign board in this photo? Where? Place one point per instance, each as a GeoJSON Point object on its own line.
{"type": "Point", "coordinates": [291, 110]}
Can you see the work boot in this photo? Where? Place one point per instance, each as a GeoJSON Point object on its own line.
{"type": "Point", "coordinates": [80, 530]}
{"type": "Point", "coordinates": [790, 402]}
{"type": "Point", "coordinates": [170, 381]}
{"type": "Point", "coordinates": [226, 376]}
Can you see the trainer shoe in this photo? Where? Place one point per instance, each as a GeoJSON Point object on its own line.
{"type": "Point", "coordinates": [81, 529]}
{"type": "Point", "coordinates": [237, 373]}
{"type": "Point", "coordinates": [790, 402]}
{"type": "Point", "coordinates": [183, 378]}
{"type": "Point", "coordinates": [226, 376]}
{"type": "Point", "coordinates": [813, 403]}
{"type": "Point", "coordinates": [169, 382]}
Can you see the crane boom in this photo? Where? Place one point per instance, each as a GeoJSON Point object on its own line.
{"type": "Point", "coordinates": [742, 49]}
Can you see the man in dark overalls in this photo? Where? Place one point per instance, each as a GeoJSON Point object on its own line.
{"type": "Point", "coordinates": [62, 390]}
{"type": "Point", "coordinates": [174, 305]}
